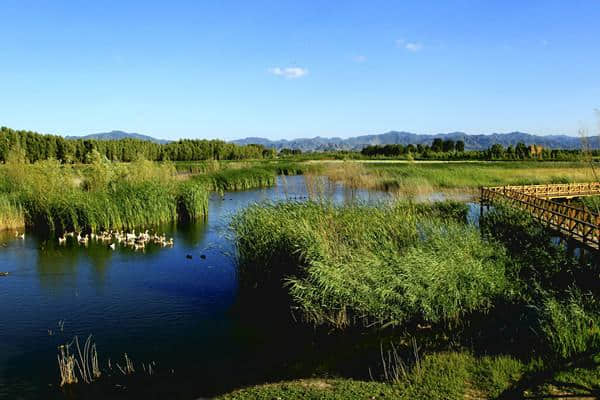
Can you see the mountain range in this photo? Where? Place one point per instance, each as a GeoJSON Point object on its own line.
{"type": "Point", "coordinates": [117, 135]}
{"type": "Point", "coordinates": [472, 142]}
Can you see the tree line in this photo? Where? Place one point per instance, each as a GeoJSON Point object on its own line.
{"type": "Point", "coordinates": [35, 146]}
{"type": "Point", "coordinates": [450, 149]}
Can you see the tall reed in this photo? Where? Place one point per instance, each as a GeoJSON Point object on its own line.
{"type": "Point", "coordinates": [11, 213]}
{"type": "Point", "coordinates": [364, 265]}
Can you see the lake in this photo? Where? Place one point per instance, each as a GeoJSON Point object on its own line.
{"type": "Point", "coordinates": [177, 307]}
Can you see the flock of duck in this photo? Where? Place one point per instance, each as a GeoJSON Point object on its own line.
{"type": "Point", "coordinates": [112, 238]}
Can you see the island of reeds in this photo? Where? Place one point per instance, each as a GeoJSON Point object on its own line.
{"type": "Point", "coordinates": [436, 307]}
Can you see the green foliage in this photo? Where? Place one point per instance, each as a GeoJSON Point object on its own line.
{"type": "Point", "coordinates": [537, 259]}
{"type": "Point", "coordinates": [35, 147]}
{"type": "Point", "coordinates": [447, 375]}
{"type": "Point", "coordinates": [474, 175]}
{"type": "Point", "coordinates": [126, 206]}
{"type": "Point", "coordinates": [192, 201]}
{"type": "Point", "coordinates": [361, 264]}
{"type": "Point", "coordinates": [11, 212]}
{"type": "Point", "coordinates": [572, 326]}
{"type": "Point", "coordinates": [324, 389]}
{"type": "Point", "coordinates": [55, 197]}
{"type": "Point", "coordinates": [556, 290]}
{"type": "Point", "coordinates": [238, 179]}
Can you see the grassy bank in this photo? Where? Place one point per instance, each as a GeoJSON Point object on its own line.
{"type": "Point", "coordinates": [448, 375]}
{"type": "Point", "coordinates": [503, 312]}
{"type": "Point", "coordinates": [415, 178]}
{"type": "Point", "coordinates": [49, 196]}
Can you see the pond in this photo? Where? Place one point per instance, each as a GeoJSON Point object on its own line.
{"type": "Point", "coordinates": [171, 306]}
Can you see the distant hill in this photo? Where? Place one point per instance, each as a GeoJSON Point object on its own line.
{"type": "Point", "coordinates": [116, 135]}
{"type": "Point", "coordinates": [472, 142]}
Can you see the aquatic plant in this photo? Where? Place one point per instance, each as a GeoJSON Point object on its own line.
{"type": "Point", "coordinates": [412, 178]}
{"type": "Point", "coordinates": [86, 362]}
{"type": "Point", "coordinates": [368, 265]}
{"type": "Point", "coordinates": [192, 201]}
{"type": "Point", "coordinates": [238, 179]}
{"type": "Point", "coordinates": [66, 365]}
{"type": "Point", "coordinates": [11, 213]}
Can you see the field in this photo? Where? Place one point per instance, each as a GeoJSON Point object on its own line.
{"type": "Point", "coordinates": [424, 177]}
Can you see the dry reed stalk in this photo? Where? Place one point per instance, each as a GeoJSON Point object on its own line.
{"type": "Point", "coordinates": [128, 368]}
{"type": "Point", "coordinates": [66, 365]}
{"type": "Point", "coordinates": [86, 362]}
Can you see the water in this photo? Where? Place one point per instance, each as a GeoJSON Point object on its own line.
{"type": "Point", "coordinates": [157, 306]}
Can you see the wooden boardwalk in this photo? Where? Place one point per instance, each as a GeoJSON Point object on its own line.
{"type": "Point", "coordinates": [570, 222]}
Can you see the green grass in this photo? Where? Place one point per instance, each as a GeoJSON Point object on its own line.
{"type": "Point", "coordinates": [106, 195]}
{"type": "Point", "coordinates": [463, 175]}
{"type": "Point", "coordinates": [11, 213]}
{"type": "Point", "coordinates": [238, 179]}
{"type": "Point", "coordinates": [103, 195]}
{"type": "Point", "coordinates": [447, 375]}
{"type": "Point", "coordinates": [512, 292]}
{"type": "Point", "coordinates": [369, 265]}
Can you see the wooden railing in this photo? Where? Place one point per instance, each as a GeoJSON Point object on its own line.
{"type": "Point", "coordinates": [556, 190]}
{"type": "Point", "coordinates": [573, 222]}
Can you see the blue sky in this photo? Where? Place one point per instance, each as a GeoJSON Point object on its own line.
{"type": "Point", "coordinates": [286, 69]}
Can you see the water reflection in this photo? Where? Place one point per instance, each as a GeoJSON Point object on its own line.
{"type": "Point", "coordinates": [171, 305]}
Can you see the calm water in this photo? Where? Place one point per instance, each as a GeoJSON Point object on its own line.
{"type": "Point", "coordinates": [155, 306]}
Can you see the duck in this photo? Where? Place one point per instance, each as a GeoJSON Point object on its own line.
{"type": "Point", "coordinates": [131, 236]}
{"type": "Point", "coordinates": [3, 273]}
{"type": "Point", "coordinates": [112, 246]}
{"type": "Point", "coordinates": [19, 235]}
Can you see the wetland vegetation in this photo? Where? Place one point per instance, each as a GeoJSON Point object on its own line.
{"type": "Point", "coordinates": [501, 314]}
{"type": "Point", "coordinates": [410, 298]}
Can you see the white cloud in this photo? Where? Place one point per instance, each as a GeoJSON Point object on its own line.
{"type": "Point", "coordinates": [410, 46]}
{"type": "Point", "coordinates": [360, 59]}
{"type": "Point", "coordinates": [289, 72]}
{"type": "Point", "coordinates": [413, 46]}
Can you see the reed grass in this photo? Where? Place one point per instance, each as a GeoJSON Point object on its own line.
{"type": "Point", "coordinates": [364, 265]}
{"type": "Point", "coordinates": [239, 179]}
{"type": "Point", "coordinates": [66, 365]}
{"type": "Point", "coordinates": [11, 213]}
{"type": "Point", "coordinates": [85, 362]}
{"type": "Point", "coordinates": [428, 177]}
{"type": "Point", "coordinates": [49, 197]}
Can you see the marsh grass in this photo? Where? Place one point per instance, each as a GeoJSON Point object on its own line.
{"type": "Point", "coordinates": [11, 213]}
{"type": "Point", "coordinates": [238, 179]}
{"type": "Point", "coordinates": [50, 197]}
{"type": "Point", "coordinates": [363, 265]}
{"type": "Point", "coordinates": [416, 178]}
